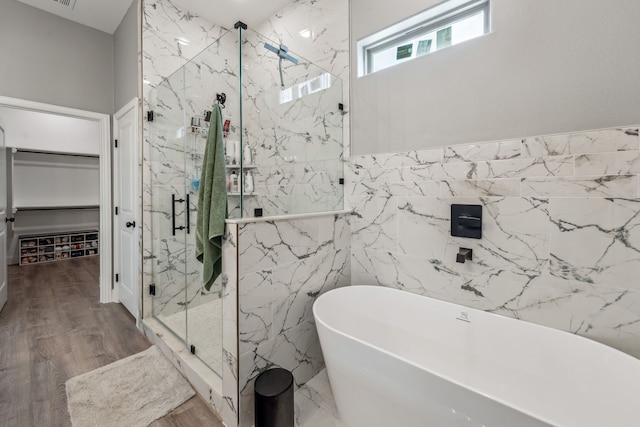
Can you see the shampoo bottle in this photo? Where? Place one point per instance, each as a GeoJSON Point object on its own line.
{"type": "Point", "coordinates": [248, 183]}
{"type": "Point", "coordinates": [233, 186]}
{"type": "Point", "coordinates": [246, 155]}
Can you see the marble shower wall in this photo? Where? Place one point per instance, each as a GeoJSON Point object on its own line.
{"type": "Point", "coordinates": [561, 228]}
{"type": "Point", "coordinates": [295, 135]}
{"type": "Point", "coordinates": [165, 150]}
{"type": "Point", "coordinates": [284, 265]}
{"type": "Point", "coordinates": [317, 30]}
{"type": "Point", "coordinates": [174, 149]}
{"type": "Point", "coordinates": [164, 22]}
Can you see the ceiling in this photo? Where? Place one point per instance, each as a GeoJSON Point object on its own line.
{"type": "Point", "coordinates": [106, 15]}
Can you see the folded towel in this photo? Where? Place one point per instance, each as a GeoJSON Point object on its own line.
{"type": "Point", "coordinates": [212, 203]}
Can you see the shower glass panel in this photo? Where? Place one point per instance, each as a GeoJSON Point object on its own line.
{"type": "Point", "coordinates": [212, 72]}
{"type": "Point", "coordinates": [294, 134]}
{"type": "Point", "coordinates": [286, 142]}
{"type": "Point", "coordinates": [167, 163]}
{"type": "Point", "coordinates": [182, 106]}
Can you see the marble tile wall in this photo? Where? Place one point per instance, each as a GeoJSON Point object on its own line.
{"type": "Point", "coordinates": [318, 31]}
{"type": "Point", "coordinates": [165, 147]}
{"type": "Point", "coordinates": [561, 228]}
{"type": "Point", "coordinates": [175, 153]}
{"type": "Point", "coordinates": [284, 266]}
{"type": "Point", "coordinates": [166, 170]}
{"type": "Point", "coordinates": [295, 136]}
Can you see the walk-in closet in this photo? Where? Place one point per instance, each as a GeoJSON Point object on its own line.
{"type": "Point", "coordinates": [53, 187]}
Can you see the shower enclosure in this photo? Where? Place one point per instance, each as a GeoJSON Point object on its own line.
{"type": "Point", "coordinates": [287, 160]}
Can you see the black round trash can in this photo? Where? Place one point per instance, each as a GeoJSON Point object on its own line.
{"type": "Point", "coordinates": [273, 394]}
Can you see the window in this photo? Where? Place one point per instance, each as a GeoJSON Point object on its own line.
{"type": "Point", "coordinates": [446, 24]}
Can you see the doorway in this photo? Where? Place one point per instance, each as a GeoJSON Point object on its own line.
{"type": "Point", "coordinates": [102, 153]}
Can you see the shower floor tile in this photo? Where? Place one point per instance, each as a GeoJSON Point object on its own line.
{"type": "Point", "coordinates": [205, 331]}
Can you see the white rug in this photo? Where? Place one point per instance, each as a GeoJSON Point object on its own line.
{"type": "Point", "coordinates": [132, 392]}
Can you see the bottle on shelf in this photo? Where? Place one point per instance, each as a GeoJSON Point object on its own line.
{"type": "Point", "coordinates": [247, 158]}
{"type": "Point", "coordinates": [233, 183]}
{"type": "Point", "coordinates": [248, 183]}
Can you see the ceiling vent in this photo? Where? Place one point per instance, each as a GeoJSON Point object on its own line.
{"type": "Point", "coordinates": [66, 3]}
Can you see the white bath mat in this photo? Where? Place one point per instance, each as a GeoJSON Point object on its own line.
{"type": "Point", "coordinates": [131, 392]}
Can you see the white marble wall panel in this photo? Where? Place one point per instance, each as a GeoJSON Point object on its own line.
{"type": "Point", "coordinates": [288, 138]}
{"type": "Point", "coordinates": [230, 326]}
{"type": "Point", "coordinates": [525, 167]}
{"type": "Point", "coordinates": [610, 226]}
{"type": "Point", "coordinates": [319, 32]}
{"type": "Point", "coordinates": [284, 266]}
{"type": "Point", "coordinates": [485, 151]}
{"type": "Point", "coordinates": [597, 141]}
{"type": "Point", "coordinates": [599, 186]}
{"type": "Point", "coordinates": [481, 187]}
{"type": "Point", "coordinates": [626, 162]}
{"type": "Point", "coordinates": [561, 234]}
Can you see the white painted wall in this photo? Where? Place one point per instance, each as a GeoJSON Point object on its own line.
{"type": "Point", "coordinates": [47, 180]}
{"type": "Point", "coordinates": [126, 44]}
{"type": "Point", "coordinates": [35, 130]}
{"type": "Point", "coordinates": [50, 179]}
{"type": "Point", "coordinates": [49, 59]}
{"type": "Point", "coordinates": [547, 67]}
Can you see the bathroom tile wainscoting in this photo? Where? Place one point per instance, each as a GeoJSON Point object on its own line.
{"type": "Point", "coordinates": [561, 228]}
{"type": "Point", "coordinates": [282, 265]}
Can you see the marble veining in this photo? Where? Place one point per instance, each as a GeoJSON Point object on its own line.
{"type": "Point", "coordinates": [298, 147]}
{"type": "Point", "coordinates": [560, 242]}
{"type": "Point", "coordinates": [284, 266]}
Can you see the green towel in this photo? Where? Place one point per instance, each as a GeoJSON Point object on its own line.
{"type": "Point", "coordinates": [212, 203]}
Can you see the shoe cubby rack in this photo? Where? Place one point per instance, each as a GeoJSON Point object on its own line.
{"type": "Point", "coordinates": [41, 248]}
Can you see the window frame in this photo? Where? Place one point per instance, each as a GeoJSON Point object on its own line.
{"type": "Point", "coordinates": [430, 20]}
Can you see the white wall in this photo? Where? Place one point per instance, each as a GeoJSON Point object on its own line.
{"type": "Point", "coordinates": [35, 130]}
{"type": "Point", "coordinates": [50, 180]}
{"type": "Point", "coordinates": [126, 40]}
{"type": "Point", "coordinates": [49, 59]}
{"type": "Point", "coordinates": [548, 66]}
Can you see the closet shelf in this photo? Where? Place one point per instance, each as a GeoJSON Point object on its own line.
{"type": "Point", "coordinates": [53, 208]}
{"type": "Point", "coordinates": [56, 153]}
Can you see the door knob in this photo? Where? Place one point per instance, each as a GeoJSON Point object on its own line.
{"type": "Point", "coordinates": [131, 224]}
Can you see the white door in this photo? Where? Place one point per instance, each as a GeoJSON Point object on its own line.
{"type": "Point", "coordinates": [126, 255]}
{"type": "Point", "coordinates": [3, 222]}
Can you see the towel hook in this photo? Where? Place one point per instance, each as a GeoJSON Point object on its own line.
{"type": "Point", "coordinates": [221, 98]}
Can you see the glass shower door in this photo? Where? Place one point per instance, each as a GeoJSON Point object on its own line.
{"type": "Point", "coordinates": [168, 213]}
{"type": "Point", "coordinates": [182, 106]}
{"type": "Point", "coordinates": [211, 73]}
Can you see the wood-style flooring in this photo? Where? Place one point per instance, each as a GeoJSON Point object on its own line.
{"type": "Point", "coordinates": [53, 328]}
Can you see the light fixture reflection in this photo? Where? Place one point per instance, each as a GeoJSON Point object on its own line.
{"type": "Point", "coordinates": [306, 33]}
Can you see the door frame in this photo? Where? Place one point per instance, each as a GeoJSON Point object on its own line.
{"type": "Point", "coordinates": [135, 106]}
{"type": "Point", "coordinates": [106, 208]}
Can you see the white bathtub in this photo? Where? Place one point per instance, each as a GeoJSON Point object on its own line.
{"type": "Point", "coordinates": [396, 359]}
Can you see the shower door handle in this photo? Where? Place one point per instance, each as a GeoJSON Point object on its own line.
{"type": "Point", "coordinates": [188, 215]}
{"type": "Point", "coordinates": [173, 214]}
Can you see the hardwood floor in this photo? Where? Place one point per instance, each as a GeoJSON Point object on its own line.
{"type": "Point", "coordinates": [54, 328]}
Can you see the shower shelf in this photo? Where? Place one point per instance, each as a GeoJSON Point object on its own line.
{"type": "Point", "coordinates": [238, 194]}
{"type": "Point", "coordinates": [238, 166]}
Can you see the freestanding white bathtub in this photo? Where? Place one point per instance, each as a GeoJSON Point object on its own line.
{"type": "Point", "coordinates": [397, 359]}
